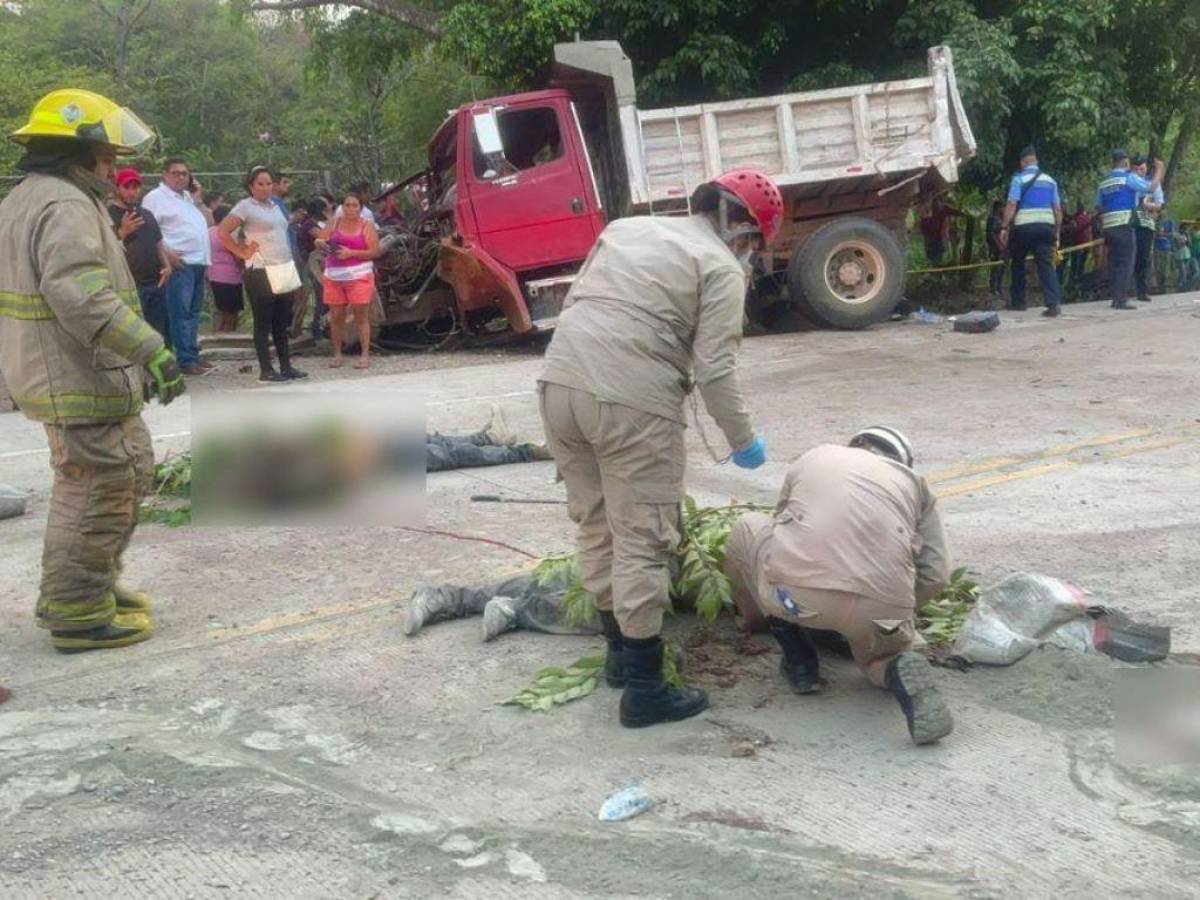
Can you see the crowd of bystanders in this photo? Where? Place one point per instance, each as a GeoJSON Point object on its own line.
{"type": "Point", "coordinates": [309, 266]}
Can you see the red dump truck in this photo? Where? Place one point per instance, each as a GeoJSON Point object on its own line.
{"type": "Point", "coordinates": [518, 188]}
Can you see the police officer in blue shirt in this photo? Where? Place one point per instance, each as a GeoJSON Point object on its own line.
{"type": "Point", "coordinates": [1144, 225]}
{"type": "Point", "coordinates": [1032, 218]}
{"type": "Point", "coordinates": [1117, 199]}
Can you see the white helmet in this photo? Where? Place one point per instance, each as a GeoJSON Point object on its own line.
{"type": "Point", "coordinates": [886, 440]}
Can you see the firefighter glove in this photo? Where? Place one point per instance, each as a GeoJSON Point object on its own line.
{"type": "Point", "coordinates": [168, 380]}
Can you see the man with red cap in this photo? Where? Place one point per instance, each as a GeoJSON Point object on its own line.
{"type": "Point", "coordinates": [656, 309]}
{"type": "Point", "coordinates": [139, 232]}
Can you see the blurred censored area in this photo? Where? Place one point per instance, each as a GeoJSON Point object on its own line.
{"type": "Point", "coordinates": [333, 459]}
{"type": "Point", "coordinates": [1158, 715]}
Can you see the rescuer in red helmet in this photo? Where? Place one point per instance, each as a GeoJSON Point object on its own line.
{"type": "Point", "coordinates": [656, 309]}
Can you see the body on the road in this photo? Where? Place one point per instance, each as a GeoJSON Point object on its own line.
{"type": "Point", "coordinates": [855, 543]}
{"type": "Point", "coordinates": [658, 303]}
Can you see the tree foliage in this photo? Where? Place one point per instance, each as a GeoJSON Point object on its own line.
{"type": "Point", "coordinates": [352, 94]}
{"type": "Point", "coordinates": [359, 86]}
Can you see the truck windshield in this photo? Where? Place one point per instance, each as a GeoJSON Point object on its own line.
{"type": "Point", "coordinates": [531, 137]}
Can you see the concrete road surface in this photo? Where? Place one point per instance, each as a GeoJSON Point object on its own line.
{"type": "Point", "coordinates": [280, 737]}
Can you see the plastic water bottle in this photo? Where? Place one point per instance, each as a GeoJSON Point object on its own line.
{"type": "Point", "coordinates": [927, 318]}
{"type": "Point", "coordinates": [625, 804]}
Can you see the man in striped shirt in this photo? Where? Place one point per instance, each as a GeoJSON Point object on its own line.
{"type": "Point", "coordinates": [1034, 212]}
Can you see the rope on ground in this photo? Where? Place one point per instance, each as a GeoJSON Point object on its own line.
{"type": "Point", "coordinates": [468, 537]}
{"type": "Point", "coordinates": [1003, 262]}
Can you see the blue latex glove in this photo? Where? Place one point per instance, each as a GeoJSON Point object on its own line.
{"type": "Point", "coordinates": [753, 456]}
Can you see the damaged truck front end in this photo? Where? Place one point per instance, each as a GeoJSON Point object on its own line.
{"type": "Point", "coordinates": [506, 212]}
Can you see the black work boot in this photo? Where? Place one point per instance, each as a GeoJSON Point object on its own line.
{"type": "Point", "coordinates": [800, 665]}
{"type": "Point", "coordinates": [910, 678]}
{"type": "Point", "coordinates": [614, 660]}
{"type": "Point", "coordinates": [125, 629]}
{"type": "Point", "coordinates": [647, 699]}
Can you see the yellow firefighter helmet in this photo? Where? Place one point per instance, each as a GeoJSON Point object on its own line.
{"type": "Point", "coordinates": [85, 116]}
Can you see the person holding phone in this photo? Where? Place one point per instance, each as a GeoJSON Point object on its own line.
{"type": "Point", "coordinates": [349, 283]}
{"type": "Point", "coordinates": [139, 232]}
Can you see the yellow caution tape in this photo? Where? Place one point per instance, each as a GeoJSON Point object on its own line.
{"type": "Point", "coordinates": [1058, 255]}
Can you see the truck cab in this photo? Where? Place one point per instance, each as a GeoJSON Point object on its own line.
{"type": "Point", "coordinates": [516, 172]}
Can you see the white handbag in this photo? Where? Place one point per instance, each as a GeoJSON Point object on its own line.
{"type": "Point", "coordinates": [283, 277]}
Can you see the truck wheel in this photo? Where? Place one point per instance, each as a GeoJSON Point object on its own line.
{"type": "Point", "coordinates": [849, 274]}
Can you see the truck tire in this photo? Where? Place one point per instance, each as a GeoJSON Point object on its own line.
{"type": "Point", "coordinates": [849, 274]}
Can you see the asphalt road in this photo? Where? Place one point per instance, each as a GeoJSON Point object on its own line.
{"type": "Point", "coordinates": [280, 737]}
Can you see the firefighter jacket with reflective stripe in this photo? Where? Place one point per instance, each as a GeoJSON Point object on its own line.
{"type": "Point", "coordinates": [1041, 197]}
{"type": "Point", "coordinates": [1117, 197]}
{"type": "Point", "coordinates": [72, 341]}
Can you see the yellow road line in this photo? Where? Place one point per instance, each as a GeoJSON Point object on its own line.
{"type": "Point", "coordinates": [981, 483]}
{"type": "Point", "coordinates": [1037, 471]}
{"type": "Point", "coordinates": [287, 620]}
{"type": "Point", "coordinates": [991, 465]}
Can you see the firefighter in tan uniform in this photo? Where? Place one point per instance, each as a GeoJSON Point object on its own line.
{"type": "Point", "coordinates": [73, 348]}
{"type": "Point", "coordinates": [657, 307]}
{"type": "Point", "coordinates": [855, 544]}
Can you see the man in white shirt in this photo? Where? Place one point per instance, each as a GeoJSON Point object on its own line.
{"type": "Point", "coordinates": [177, 205]}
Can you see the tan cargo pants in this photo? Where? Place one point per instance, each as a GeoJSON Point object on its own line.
{"type": "Point", "coordinates": [877, 632]}
{"type": "Point", "coordinates": [101, 473]}
{"type": "Point", "coordinates": [624, 475]}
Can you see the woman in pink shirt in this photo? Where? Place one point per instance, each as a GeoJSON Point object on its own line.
{"type": "Point", "coordinates": [349, 282]}
{"type": "Point", "coordinates": [225, 277]}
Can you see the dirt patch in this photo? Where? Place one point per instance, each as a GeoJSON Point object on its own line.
{"type": "Point", "coordinates": [719, 655]}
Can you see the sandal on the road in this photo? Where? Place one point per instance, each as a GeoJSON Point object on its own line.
{"type": "Point", "coordinates": [362, 364]}
{"type": "Point", "coordinates": [336, 363]}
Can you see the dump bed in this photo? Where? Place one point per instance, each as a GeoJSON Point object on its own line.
{"type": "Point", "coordinates": [891, 130]}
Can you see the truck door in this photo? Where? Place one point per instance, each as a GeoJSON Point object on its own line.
{"type": "Point", "coordinates": [535, 205]}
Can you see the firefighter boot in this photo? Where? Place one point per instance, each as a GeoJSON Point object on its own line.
{"type": "Point", "coordinates": [910, 678]}
{"type": "Point", "coordinates": [800, 664]}
{"type": "Point", "coordinates": [647, 699]}
{"type": "Point", "coordinates": [614, 659]}
{"type": "Point", "coordinates": [130, 600]}
{"type": "Point", "coordinates": [123, 630]}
